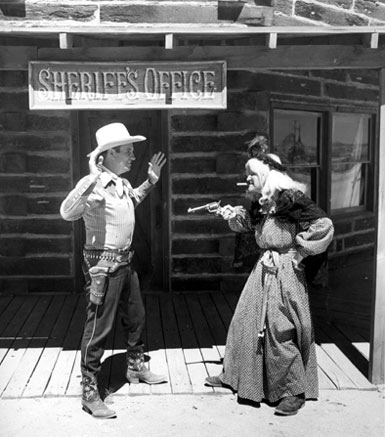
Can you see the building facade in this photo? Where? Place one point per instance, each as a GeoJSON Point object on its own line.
{"type": "Point", "coordinates": [306, 73]}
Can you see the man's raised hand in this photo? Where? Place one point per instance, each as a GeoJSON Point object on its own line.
{"type": "Point", "coordinates": [155, 167]}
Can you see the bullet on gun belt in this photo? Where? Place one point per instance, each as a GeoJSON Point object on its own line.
{"type": "Point", "coordinates": [241, 184]}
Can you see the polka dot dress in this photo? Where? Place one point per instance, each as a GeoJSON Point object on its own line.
{"type": "Point", "coordinates": [282, 362]}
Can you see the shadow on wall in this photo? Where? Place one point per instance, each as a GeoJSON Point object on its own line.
{"type": "Point", "coordinates": [14, 8]}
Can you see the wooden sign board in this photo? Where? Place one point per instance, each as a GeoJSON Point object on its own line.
{"type": "Point", "coordinates": [125, 85]}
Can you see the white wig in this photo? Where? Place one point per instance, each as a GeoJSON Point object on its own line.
{"type": "Point", "coordinates": [273, 180]}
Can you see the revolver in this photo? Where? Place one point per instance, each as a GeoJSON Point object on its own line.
{"type": "Point", "coordinates": [212, 207]}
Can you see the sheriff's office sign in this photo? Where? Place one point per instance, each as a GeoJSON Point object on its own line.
{"type": "Point", "coordinates": [125, 85]}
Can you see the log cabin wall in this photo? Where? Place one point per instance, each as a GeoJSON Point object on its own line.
{"type": "Point", "coordinates": [207, 148]}
{"type": "Point", "coordinates": [207, 159]}
{"type": "Point", "coordinates": [35, 173]}
{"type": "Point", "coordinates": [208, 154]}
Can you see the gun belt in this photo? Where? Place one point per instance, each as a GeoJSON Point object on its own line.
{"type": "Point", "coordinates": [109, 255]}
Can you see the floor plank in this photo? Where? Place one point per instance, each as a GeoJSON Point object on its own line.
{"type": "Point", "coordinates": [74, 387]}
{"type": "Point", "coordinates": [36, 328]}
{"type": "Point", "coordinates": [340, 379]}
{"type": "Point", "coordinates": [223, 308]}
{"type": "Point", "coordinates": [325, 383]}
{"type": "Point", "coordinates": [232, 300]}
{"type": "Point", "coordinates": [347, 353]}
{"type": "Point", "coordinates": [179, 377]}
{"type": "Point", "coordinates": [356, 339]}
{"type": "Point", "coordinates": [22, 325]}
{"type": "Point", "coordinates": [156, 344]}
{"type": "Point", "coordinates": [11, 309]}
{"type": "Point", "coordinates": [353, 374]}
{"type": "Point", "coordinates": [214, 321]}
{"type": "Point", "coordinates": [193, 357]}
{"type": "Point", "coordinates": [4, 302]}
{"type": "Point", "coordinates": [61, 309]}
{"type": "Point", "coordinates": [185, 339]}
{"type": "Point", "coordinates": [64, 365]}
{"type": "Point", "coordinates": [209, 350]}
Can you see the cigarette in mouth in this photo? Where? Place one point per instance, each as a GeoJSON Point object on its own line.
{"type": "Point", "coordinates": [241, 184]}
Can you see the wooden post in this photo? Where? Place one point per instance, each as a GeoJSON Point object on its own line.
{"type": "Point", "coordinates": [169, 41]}
{"type": "Point", "coordinates": [377, 340]}
{"type": "Point", "coordinates": [271, 40]}
{"type": "Point", "coordinates": [371, 40]}
{"type": "Point", "coordinates": [65, 41]}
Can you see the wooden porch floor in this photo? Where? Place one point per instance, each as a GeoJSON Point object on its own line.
{"type": "Point", "coordinates": [185, 338]}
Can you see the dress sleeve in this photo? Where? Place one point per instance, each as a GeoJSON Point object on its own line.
{"type": "Point", "coordinates": [242, 221]}
{"type": "Point", "coordinates": [315, 238]}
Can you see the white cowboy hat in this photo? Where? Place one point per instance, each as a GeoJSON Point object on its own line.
{"type": "Point", "coordinates": [114, 135]}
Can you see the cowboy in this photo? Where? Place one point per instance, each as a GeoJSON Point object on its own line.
{"type": "Point", "coordinates": [106, 202]}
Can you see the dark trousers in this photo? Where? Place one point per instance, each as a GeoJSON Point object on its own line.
{"type": "Point", "coordinates": [123, 299]}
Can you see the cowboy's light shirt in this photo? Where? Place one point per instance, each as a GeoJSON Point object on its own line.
{"type": "Point", "coordinates": [107, 205]}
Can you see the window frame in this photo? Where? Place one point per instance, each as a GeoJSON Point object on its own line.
{"type": "Point", "coordinates": [324, 176]}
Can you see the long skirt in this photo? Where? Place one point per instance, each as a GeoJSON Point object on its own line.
{"type": "Point", "coordinates": [282, 362]}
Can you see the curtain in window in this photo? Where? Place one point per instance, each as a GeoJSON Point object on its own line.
{"type": "Point", "coordinates": [347, 181]}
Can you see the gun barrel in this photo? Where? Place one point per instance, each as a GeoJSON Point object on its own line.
{"type": "Point", "coordinates": [198, 208]}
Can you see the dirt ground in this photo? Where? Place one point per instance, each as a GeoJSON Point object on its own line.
{"type": "Point", "coordinates": [349, 413]}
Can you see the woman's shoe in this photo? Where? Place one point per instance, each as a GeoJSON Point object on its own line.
{"type": "Point", "coordinates": [290, 405]}
{"type": "Point", "coordinates": [215, 381]}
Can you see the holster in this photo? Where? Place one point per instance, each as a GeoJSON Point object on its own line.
{"type": "Point", "coordinates": [100, 264]}
{"type": "Point", "coordinates": [99, 282]}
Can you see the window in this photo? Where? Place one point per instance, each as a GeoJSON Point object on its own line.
{"type": "Point", "coordinates": [297, 142]}
{"type": "Point", "coordinates": [350, 159]}
{"type": "Point", "coordinates": [335, 163]}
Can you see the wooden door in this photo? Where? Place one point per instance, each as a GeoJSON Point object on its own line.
{"type": "Point", "coordinates": [151, 227]}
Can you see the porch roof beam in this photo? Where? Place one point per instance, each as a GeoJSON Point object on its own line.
{"type": "Point", "coordinates": [237, 57]}
{"type": "Point", "coordinates": [29, 28]}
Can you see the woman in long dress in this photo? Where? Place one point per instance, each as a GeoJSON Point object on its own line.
{"type": "Point", "coordinates": [270, 348]}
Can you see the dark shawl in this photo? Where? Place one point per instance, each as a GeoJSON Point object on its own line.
{"type": "Point", "coordinates": [291, 206]}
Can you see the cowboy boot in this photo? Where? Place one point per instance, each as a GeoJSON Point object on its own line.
{"type": "Point", "coordinates": [137, 370]}
{"type": "Point", "coordinates": [91, 401]}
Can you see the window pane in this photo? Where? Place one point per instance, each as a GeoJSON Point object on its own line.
{"type": "Point", "coordinates": [304, 175]}
{"type": "Point", "coordinates": [309, 177]}
{"type": "Point", "coordinates": [296, 136]}
{"type": "Point", "coordinates": [350, 138]}
{"type": "Point", "coordinates": [348, 185]}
